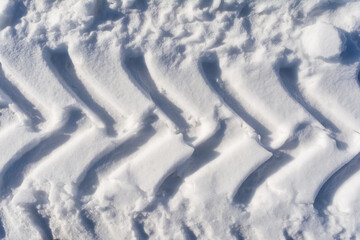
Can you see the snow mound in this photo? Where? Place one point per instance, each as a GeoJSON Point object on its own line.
{"type": "Point", "coordinates": [323, 40]}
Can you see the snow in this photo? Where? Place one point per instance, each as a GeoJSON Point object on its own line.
{"type": "Point", "coordinates": [6, 12]}
{"type": "Point", "coordinates": [323, 40]}
{"type": "Point", "coordinates": [150, 119]}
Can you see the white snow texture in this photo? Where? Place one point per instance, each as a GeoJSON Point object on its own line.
{"type": "Point", "coordinates": [179, 119]}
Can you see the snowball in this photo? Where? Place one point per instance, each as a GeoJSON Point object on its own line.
{"type": "Point", "coordinates": [322, 40]}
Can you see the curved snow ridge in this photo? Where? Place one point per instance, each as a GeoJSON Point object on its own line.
{"type": "Point", "coordinates": [149, 119]}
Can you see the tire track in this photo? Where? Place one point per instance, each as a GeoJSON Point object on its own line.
{"type": "Point", "coordinates": [340, 212]}
{"type": "Point", "coordinates": [279, 159]}
{"type": "Point", "coordinates": [21, 101]}
{"type": "Point", "coordinates": [40, 83]}
{"type": "Point", "coordinates": [247, 189]}
{"type": "Point", "coordinates": [93, 143]}
{"type": "Point", "coordinates": [103, 70]}
{"type": "Point", "coordinates": [105, 150]}
{"type": "Point", "coordinates": [89, 182]}
{"type": "Point", "coordinates": [288, 76]}
{"type": "Point", "coordinates": [336, 85]}
{"type": "Point", "coordinates": [203, 154]}
{"type": "Point", "coordinates": [140, 74]}
{"type": "Point", "coordinates": [63, 65]}
{"type": "Point", "coordinates": [14, 172]}
{"type": "Point", "coordinates": [335, 181]}
{"type": "Point", "coordinates": [227, 185]}
{"type": "Point", "coordinates": [212, 74]}
{"type": "Point", "coordinates": [69, 127]}
{"type": "Point", "coordinates": [181, 86]}
{"type": "Point", "coordinates": [12, 147]}
{"type": "Point", "coordinates": [127, 180]}
{"type": "Point", "coordinates": [228, 168]}
{"type": "Point", "coordinates": [211, 164]}
{"type": "Point", "coordinates": [287, 189]}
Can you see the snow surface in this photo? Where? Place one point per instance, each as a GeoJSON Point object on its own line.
{"type": "Point", "coordinates": [203, 119]}
{"type": "Point", "coordinates": [323, 40]}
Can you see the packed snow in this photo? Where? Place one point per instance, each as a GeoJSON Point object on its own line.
{"type": "Point", "coordinates": [203, 119]}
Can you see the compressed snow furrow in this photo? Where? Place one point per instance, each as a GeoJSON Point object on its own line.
{"type": "Point", "coordinates": [329, 188]}
{"type": "Point", "coordinates": [46, 173]}
{"type": "Point", "coordinates": [316, 151]}
{"type": "Point", "coordinates": [101, 66]}
{"type": "Point", "coordinates": [62, 185]}
{"type": "Point", "coordinates": [125, 184]}
{"type": "Point", "coordinates": [88, 181]}
{"type": "Point", "coordinates": [335, 93]}
{"type": "Point", "coordinates": [139, 72]}
{"type": "Point", "coordinates": [213, 173]}
{"type": "Point", "coordinates": [29, 71]}
{"type": "Point", "coordinates": [15, 169]}
{"type": "Point", "coordinates": [335, 161]}
{"type": "Point", "coordinates": [167, 160]}
{"type": "Point", "coordinates": [342, 211]}
{"type": "Point", "coordinates": [212, 74]}
{"type": "Point", "coordinates": [203, 153]}
{"type": "Point", "coordinates": [22, 103]}
{"type": "Point", "coordinates": [12, 147]}
{"type": "Point", "coordinates": [265, 99]}
{"type": "Point", "coordinates": [203, 158]}
{"type": "Point", "coordinates": [225, 173]}
{"type": "Point", "coordinates": [90, 139]}
{"type": "Point", "coordinates": [289, 78]}
{"type": "Point", "coordinates": [95, 150]}
{"type": "Point", "coordinates": [89, 178]}
{"type": "Point", "coordinates": [279, 159]}
{"type": "Point", "coordinates": [65, 68]}
{"type": "Point", "coordinates": [249, 186]}
{"type": "Point", "coordinates": [181, 86]}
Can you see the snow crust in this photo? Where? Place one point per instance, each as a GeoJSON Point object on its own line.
{"type": "Point", "coordinates": [151, 119]}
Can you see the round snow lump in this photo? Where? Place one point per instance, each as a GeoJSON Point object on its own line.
{"type": "Point", "coordinates": [322, 40]}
